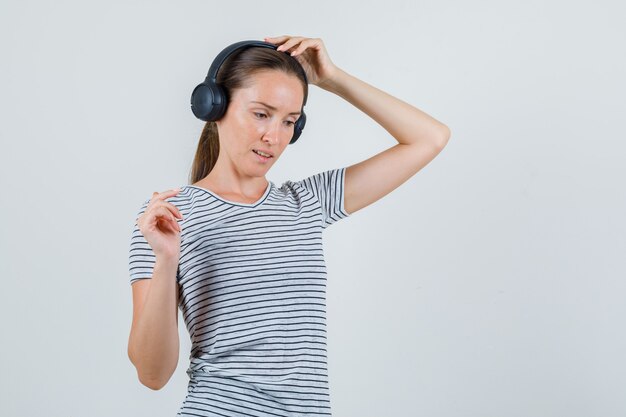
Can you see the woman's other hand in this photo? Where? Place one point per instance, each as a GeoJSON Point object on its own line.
{"type": "Point", "coordinates": [158, 224]}
{"type": "Point", "coordinates": [311, 54]}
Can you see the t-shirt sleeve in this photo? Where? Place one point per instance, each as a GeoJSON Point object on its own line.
{"type": "Point", "coordinates": [328, 187]}
{"type": "Point", "coordinates": [141, 258]}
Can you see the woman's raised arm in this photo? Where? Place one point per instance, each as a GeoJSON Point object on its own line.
{"type": "Point", "coordinates": [420, 137]}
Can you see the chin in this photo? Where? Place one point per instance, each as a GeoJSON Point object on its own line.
{"type": "Point", "coordinates": [260, 171]}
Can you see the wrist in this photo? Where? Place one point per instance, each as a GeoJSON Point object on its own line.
{"type": "Point", "coordinates": [333, 82]}
{"type": "Point", "coordinates": [167, 263]}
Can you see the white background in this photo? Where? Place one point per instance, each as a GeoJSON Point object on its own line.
{"type": "Point", "coordinates": [490, 284]}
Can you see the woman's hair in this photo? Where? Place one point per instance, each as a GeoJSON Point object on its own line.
{"type": "Point", "coordinates": [236, 72]}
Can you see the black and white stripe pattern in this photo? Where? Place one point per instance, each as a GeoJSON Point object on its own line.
{"type": "Point", "coordinates": [252, 281]}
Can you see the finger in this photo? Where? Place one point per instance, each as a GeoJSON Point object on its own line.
{"type": "Point", "coordinates": [173, 209]}
{"type": "Point", "coordinates": [165, 211]}
{"type": "Point", "coordinates": [163, 214]}
{"type": "Point", "coordinates": [303, 45]}
{"type": "Point", "coordinates": [170, 206]}
{"type": "Point", "coordinates": [174, 226]}
{"type": "Point", "coordinates": [289, 44]}
{"type": "Point", "coordinates": [168, 193]}
{"type": "Point", "coordinates": [277, 38]}
{"type": "Point", "coordinates": [167, 225]}
{"type": "Point", "coordinates": [167, 205]}
{"type": "Point", "coordinates": [177, 211]}
{"type": "Point", "coordinates": [162, 196]}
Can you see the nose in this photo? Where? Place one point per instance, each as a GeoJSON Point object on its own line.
{"type": "Point", "coordinates": [272, 136]}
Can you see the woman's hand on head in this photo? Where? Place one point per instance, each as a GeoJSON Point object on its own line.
{"type": "Point", "coordinates": [158, 224]}
{"type": "Point", "coordinates": [311, 54]}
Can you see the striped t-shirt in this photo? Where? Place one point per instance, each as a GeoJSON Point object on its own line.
{"type": "Point", "coordinates": [252, 287]}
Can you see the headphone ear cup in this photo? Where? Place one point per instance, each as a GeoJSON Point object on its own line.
{"type": "Point", "coordinates": [298, 127]}
{"type": "Point", "coordinates": [208, 102]}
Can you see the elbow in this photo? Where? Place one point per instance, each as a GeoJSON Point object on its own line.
{"type": "Point", "coordinates": [153, 384]}
{"type": "Point", "coordinates": [444, 136]}
{"type": "Point", "coordinates": [150, 380]}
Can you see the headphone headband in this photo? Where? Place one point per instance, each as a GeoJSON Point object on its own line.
{"type": "Point", "coordinates": [226, 52]}
{"type": "Point", "coordinates": [221, 57]}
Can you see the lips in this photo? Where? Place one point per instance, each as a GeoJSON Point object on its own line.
{"type": "Point", "coordinates": [271, 155]}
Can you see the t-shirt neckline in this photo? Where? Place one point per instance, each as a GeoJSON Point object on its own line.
{"type": "Point", "coordinates": [236, 203]}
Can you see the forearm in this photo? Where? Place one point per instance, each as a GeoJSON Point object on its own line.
{"type": "Point", "coordinates": [407, 124]}
{"type": "Point", "coordinates": [154, 342]}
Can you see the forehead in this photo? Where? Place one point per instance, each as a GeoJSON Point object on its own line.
{"type": "Point", "coordinates": [276, 88]}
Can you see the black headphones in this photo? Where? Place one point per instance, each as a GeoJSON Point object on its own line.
{"type": "Point", "coordinates": [209, 101]}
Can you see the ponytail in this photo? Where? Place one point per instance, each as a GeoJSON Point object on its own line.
{"type": "Point", "coordinates": [206, 154]}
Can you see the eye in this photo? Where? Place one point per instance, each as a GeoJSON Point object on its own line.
{"type": "Point", "coordinates": [262, 115]}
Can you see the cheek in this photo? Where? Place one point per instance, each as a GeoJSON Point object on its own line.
{"type": "Point", "coordinates": [250, 126]}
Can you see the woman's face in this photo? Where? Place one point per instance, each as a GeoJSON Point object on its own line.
{"type": "Point", "coordinates": [260, 117]}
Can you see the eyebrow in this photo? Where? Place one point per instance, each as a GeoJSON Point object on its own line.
{"type": "Point", "coordinates": [272, 107]}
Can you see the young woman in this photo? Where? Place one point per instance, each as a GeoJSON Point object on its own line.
{"type": "Point", "coordinates": [243, 258]}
